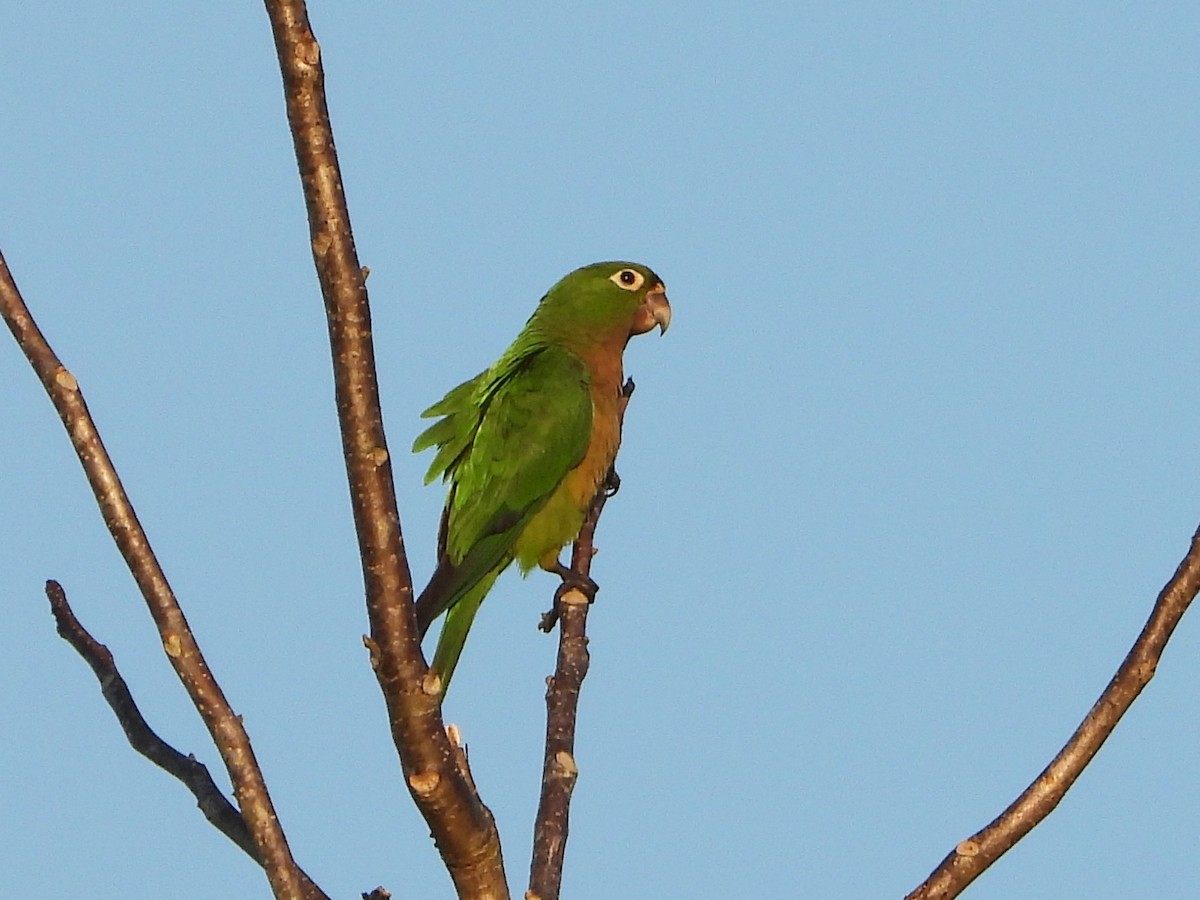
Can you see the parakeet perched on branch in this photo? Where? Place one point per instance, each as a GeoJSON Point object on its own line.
{"type": "Point", "coordinates": [526, 444]}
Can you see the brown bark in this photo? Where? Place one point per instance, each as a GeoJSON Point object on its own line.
{"type": "Point", "coordinates": [194, 775]}
{"type": "Point", "coordinates": [461, 825]}
{"type": "Point", "coordinates": [559, 771]}
{"type": "Point", "coordinates": [181, 648]}
{"type": "Point", "coordinates": [972, 856]}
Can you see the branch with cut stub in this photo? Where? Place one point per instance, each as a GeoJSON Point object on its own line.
{"type": "Point", "coordinates": [559, 771]}
{"type": "Point", "coordinates": [462, 827]}
{"type": "Point", "coordinates": [181, 648]}
{"type": "Point", "coordinates": [973, 855]}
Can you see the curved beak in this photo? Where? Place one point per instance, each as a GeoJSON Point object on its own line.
{"type": "Point", "coordinates": [655, 310]}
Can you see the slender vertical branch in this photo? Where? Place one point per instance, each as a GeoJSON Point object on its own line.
{"type": "Point", "coordinates": [972, 856]}
{"type": "Point", "coordinates": [461, 825]}
{"type": "Point", "coordinates": [181, 648]}
{"type": "Point", "coordinates": [559, 771]}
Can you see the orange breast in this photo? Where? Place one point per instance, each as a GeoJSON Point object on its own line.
{"type": "Point", "coordinates": [559, 521]}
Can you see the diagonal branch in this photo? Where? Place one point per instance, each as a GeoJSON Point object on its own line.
{"type": "Point", "coordinates": [559, 771]}
{"type": "Point", "coordinates": [181, 648]}
{"type": "Point", "coordinates": [462, 826]}
{"type": "Point", "coordinates": [973, 855]}
{"type": "Point", "coordinates": [222, 814]}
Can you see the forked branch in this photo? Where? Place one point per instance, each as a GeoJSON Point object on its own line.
{"type": "Point", "coordinates": [973, 855]}
{"type": "Point", "coordinates": [194, 775]}
{"type": "Point", "coordinates": [223, 724]}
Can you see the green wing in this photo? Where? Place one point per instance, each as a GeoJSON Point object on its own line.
{"type": "Point", "coordinates": [452, 435]}
{"type": "Point", "coordinates": [505, 443]}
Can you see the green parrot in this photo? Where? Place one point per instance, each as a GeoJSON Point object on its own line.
{"type": "Point", "coordinates": [526, 444]}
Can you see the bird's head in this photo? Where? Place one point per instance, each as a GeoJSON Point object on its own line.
{"type": "Point", "coordinates": [606, 301]}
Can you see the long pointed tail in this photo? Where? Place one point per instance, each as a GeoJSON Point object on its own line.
{"type": "Point", "coordinates": [454, 630]}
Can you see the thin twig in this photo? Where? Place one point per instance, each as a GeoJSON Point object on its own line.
{"type": "Point", "coordinates": [462, 826]}
{"type": "Point", "coordinates": [195, 776]}
{"type": "Point", "coordinates": [181, 648]}
{"type": "Point", "coordinates": [973, 855]}
{"type": "Point", "coordinates": [559, 771]}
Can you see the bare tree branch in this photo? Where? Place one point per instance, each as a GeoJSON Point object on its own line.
{"type": "Point", "coordinates": [559, 771]}
{"type": "Point", "coordinates": [462, 826]}
{"type": "Point", "coordinates": [195, 776]}
{"type": "Point", "coordinates": [973, 855]}
{"type": "Point", "coordinates": [181, 648]}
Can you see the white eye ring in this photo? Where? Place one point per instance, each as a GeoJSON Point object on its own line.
{"type": "Point", "coordinates": [627, 279]}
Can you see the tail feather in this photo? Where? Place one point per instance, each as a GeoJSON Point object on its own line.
{"type": "Point", "coordinates": [437, 596]}
{"type": "Point", "coordinates": [453, 636]}
{"type": "Point", "coordinates": [446, 593]}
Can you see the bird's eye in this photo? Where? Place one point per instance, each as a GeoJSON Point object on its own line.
{"type": "Point", "coordinates": [627, 279]}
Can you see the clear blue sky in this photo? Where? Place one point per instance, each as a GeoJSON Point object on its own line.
{"type": "Point", "coordinates": [900, 484]}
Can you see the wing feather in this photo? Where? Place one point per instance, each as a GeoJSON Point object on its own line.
{"type": "Point", "coordinates": [513, 440]}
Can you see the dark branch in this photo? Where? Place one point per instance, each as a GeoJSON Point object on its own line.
{"type": "Point", "coordinates": [559, 771]}
{"type": "Point", "coordinates": [462, 826]}
{"type": "Point", "coordinates": [973, 855]}
{"type": "Point", "coordinates": [181, 648]}
{"type": "Point", "coordinates": [223, 815]}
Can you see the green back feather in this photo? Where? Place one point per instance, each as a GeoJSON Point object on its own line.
{"type": "Point", "coordinates": [507, 439]}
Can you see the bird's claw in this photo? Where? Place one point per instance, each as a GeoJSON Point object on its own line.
{"type": "Point", "coordinates": [571, 581]}
{"type": "Point", "coordinates": [612, 484]}
{"type": "Point", "coordinates": [576, 582]}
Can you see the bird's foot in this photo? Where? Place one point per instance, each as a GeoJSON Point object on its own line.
{"type": "Point", "coordinates": [572, 581]}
